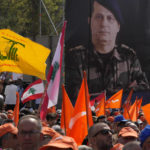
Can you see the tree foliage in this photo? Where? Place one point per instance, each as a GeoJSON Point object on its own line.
{"type": "Point", "coordinates": [22, 16]}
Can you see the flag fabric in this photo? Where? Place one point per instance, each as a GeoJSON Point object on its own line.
{"type": "Point", "coordinates": [133, 111]}
{"type": "Point", "coordinates": [98, 98]}
{"type": "Point", "coordinates": [33, 91]}
{"type": "Point", "coordinates": [87, 99]}
{"type": "Point", "coordinates": [146, 110]}
{"type": "Point", "coordinates": [100, 109]}
{"type": "Point", "coordinates": [67, 111]}
{"type": "Point", "coordinates": [53, 77]}
{"type": "Point", "coordinates": [127, 105]}
{"type": "Point", "coordinates": [115, 100]}
{"type": "Point", "coordinates": [126, 114]}
{"type": "Point", "coordinates": [78, 125]}
{"type": "Point", "coordinates": [21, 55]}
{"type": "Point", "coordinates": [128, 100]}
{"type": "Point", "coordinates": [16, 109]}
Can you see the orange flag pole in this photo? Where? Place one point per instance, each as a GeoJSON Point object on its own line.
{"type": "Point", "coordinates": [86, 97]}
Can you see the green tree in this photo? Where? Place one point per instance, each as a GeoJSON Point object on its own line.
{"type": "Point", "coordinates": [22, 16]}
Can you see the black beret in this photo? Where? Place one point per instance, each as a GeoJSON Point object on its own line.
{"type": "Point", "coordinates": [113, 6]}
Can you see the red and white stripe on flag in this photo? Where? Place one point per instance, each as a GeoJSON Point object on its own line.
{"type": "Point", "coordinates": [33, 91]}
{"type": "Point", "coordinates": [53, 77]}
{"type": "Point", "coordinates": [53, 87]}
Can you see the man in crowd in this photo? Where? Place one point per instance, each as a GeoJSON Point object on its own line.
{"type": "Point", "coordinates": [29, 132]}
{"type": "Point", "coordinates": [10, 95]}
{"type": "Point", "coordinates": [109, 66]}
{"type": "Point", "coordinates": [134, 145]}
{"type": "Point", "coordinates": [100, 136]}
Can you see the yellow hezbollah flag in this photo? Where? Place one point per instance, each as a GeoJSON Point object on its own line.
{"type": "Point", "coordinates": [21, 55]}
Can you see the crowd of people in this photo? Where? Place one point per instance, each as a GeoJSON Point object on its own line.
{"type": "Point", "coordinates": [109, 132]}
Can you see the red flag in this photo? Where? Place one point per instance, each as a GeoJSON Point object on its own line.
{"type": "Point", "coordinates": [79, 121]}
{"type": "Point", "coordinates": [98, 98]}
{"type": "Point", "coordinates": [53, 78]}
{"type": "Point", "coordinates": [16, 109]}
{"type": "Point", "coordinates": [115, 100]}
{"type": "Point", "coordinates": [67, 111]}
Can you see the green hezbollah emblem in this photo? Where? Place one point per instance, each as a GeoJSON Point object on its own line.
{"type": "Point", "coordinates": [11, 52]}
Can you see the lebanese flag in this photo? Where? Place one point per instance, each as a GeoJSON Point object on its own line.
{"type": "Point", "coordinates": [33, 91]}
{"type": "Point", "coordinates": [53, 77]}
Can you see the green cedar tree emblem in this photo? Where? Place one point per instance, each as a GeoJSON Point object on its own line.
{"type": "Point", "coordinates": [32, 91]}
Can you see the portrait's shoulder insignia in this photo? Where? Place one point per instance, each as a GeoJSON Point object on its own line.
{"type": "Point", "coordinates": [128, 49]}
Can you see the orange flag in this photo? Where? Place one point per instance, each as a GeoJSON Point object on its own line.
{"type": "Point", "coordinates": [67, 111]}
{"type": "Point", "coordinates": [126, 114]}
{"type": "Point", "coordinates": [146, 110]}
{"type": "Point", "coordinates": [133, 111]}
{"type": "Point", "coordinates": [82, 116]}
{"type": "Point", "coordinates": [16, 109]}
{"type": "Point", "coordinates": [128, 101]}
{"type": "Point", "coordinates": [100, 109]}
{"type": "Point", "coordinates": [115, 100]}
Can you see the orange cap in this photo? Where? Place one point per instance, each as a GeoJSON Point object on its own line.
{"type": "Point", "coordinates": [61, 142]}
{"type": "Point", "coordinates": [49, 131]}
{"type": "Point", "coordinates": [128, 131]}
{"type": "Point", "coordinates": [8, 128]}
